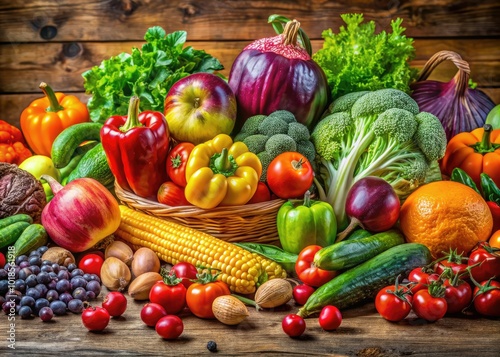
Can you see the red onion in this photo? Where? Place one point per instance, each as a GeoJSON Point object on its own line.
{"type": "Point", "coordinates": [459, 107]}
{"type": "Point", "coordinates": [372, 204]}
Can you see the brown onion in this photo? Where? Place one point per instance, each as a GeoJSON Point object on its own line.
{"type": "Point", "coordinates": [120, 250]}
{"type": "Point", "coordinates": [145, 261]}
{"type": "Point", "coordinates": [115, 274]}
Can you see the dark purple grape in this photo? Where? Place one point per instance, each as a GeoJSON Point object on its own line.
{"type": "Point", "coordinates": [24, 264]}
{"type": "Point", "coordinates": [62, 267]}
{"type": "Point", "coordinates": [94, 286]}
{"type": "Point", "coordinates": [63, 285]}
{"type": "Point", "coordinates": [63, 274]}
{"type": "Point", "coordinates": [46, 262]}
{"type": "Point", "coordinates": [55, 268]}
{"type": "Point", "coordinates": [24, 273]}
{"type": "Point", "coordinates": [52, 295]}
{"type": "Point", "coordinates": [31, 281]}
{"type": "Point", "coordinates": [46, 313]}
{"type": "Point", "coordinates": [46, 268]}
{"type": "Point", "coordinates": [35, 260]}
{"type": "Point", "coordinates": [18, 307]}
{"type": "Point", "coordinates": [53, 275]}
{"type": "Point", "coordinates": [90, 295]}
{"type": "Point", "coordinates": [42, 288]}
{"type": "Point", "coordinates": [2, 299]}
{"type": "Point", "coordinates": [65, 297]}
{"type": "Point", "coordinates": [4, 287]}
{"type": "Point", "coordinates": [77, 272]}
{"type": "Point", "coordinates": [21, 258]}
{"type": "Point", "coordinates": [79, 293]}
{"type": "Point", "coordinates": [27, 301]}
{"type": "Point", "coordinates": [58, 307]}
{"type": "Point", "coordinates": [7, 266]}
{"type": "Point", "coordinates": [34, 253]}
{"type": "Point", "coordinates": [6, 306]}
{"type": "Point", "coordinates": [78, 282]}
{"type": "Point", "coordinates": [34, 293]}
{"type": "Point", "coordinates": [87, 277]}
{"type": "Point", "coordinates": [35, 269]}
{"type": "Point", "coordinates": [71, 267]}
{"type": "Point", "coordinates": [95, 277]}
{"type": "Point", "coordinates": [43, 278]}
{"type": "Point", "coordinates": [20, 285]}
{"type": "Point", "coordinates": [52, 285]}
{"type": "Point", "coordinates": [3, 274]}
{"type": "Point", "coordinates": [42, 302]}
{"type": "Point", "coordinates": [25, 312]}
{"type": "Point", "coordinates": [14, 295]}
{"type": "Point", "coordinates": [75, 305]}
{"type": "Point", "coordinates": [16, 270]}
{"type": "Point", "coordinates": [42, 249]}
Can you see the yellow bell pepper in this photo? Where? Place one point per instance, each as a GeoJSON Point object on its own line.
{"type": "Point", "coordinates": [220, 172]}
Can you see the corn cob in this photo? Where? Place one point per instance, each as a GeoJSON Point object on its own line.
{"type": "Point", "coordinates": [273, 269]}
{"type": "Point", "coordinates": [174, 243]}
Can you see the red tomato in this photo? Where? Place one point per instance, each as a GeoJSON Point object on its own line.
{"type": "Point", "coordinates": [2, 260]}
{"type": "Point", "coordinates": [393, 303]}
{"type": "Point", "coordinates": [169, 327]}
{"type": "Point", "coordinates": [95, 318]}
{"type": "Point", "coordinates": [151, 313]}
{"type": "Point", "coordinates": [200, 297]}
{"type": "Point", "coordinates": [420, 279]}
{"type": "Point", "coordinates": [261, 195]}
{"type": "Point", "coordinates": [290, 175]}
{"type": "Point", "coordinates": [176, 162]}
{"type": "Point", "coordinates": [429, 307]}
{"type": "Point", "coordinates": [453, 261]}
{"type": "Point", "coordinates": [185, 271]}
{"type": "Point", "coordinates": [489, 259]}
{"type": "Point", "coordinates": [487, 298]}
{"type": "Point", "coordinates": [172, 194]}
{"type": "Point", "coordinates": [307, 272]}
{"type": "Point", "coordinates": [301, 293]}
{"type": "Point", "coordinates": [91, 264]}
{"type": "Point", "coordinates": [170, 294]}
{"type": "Point", "coordinates": [330, 318]}
{"type": "Point", "coordinates": [458, 295]}
{"type": "Point", "coordinates": [293, 325]}
{"type": "Point", "coordinates": [115, 302]}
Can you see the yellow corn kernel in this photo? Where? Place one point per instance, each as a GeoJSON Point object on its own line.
{"type": "Point", "coordinates": [273, 269]}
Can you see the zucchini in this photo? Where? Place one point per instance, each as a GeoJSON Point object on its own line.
{"type": "Point", "coordinates": [349, 253]}
{"type": "Point", "coordinates": [21, 217]}
{"type": "Point", "coordinates": [365, 280]}
{"type": "Point", "coordinates": [32, 237]}
{"type": "Point", "coordinates": [70, 139]}
{"type": "Point", "coordinates": [93, 164]}
{"type": "Point", "coordinates": [9, 234]}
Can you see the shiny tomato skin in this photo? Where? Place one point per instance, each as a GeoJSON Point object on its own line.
{"type": "Point", "coordinates": [91, 264]}
{"type": "Point", "coordinates": [95, 318]}
{"type": "Point", "coordinates": [456, 268]}
{"type": "Point", "coordinates": [200, 297]}
{"type": "Point", "coordinates": [330, 318]}
{"type": "Point", "coordinates": [172, 194]}
{"type": "Point", "coordinates": [176, 162]}
{"type": "Point", "coordinates": [2, 260]}
{"type": "Point", "coordinates": [301, 293]}
{"type": "Point", "coordinates": [185, 271]}
{"type": "Point", "coordinates": [487, 303]}
{"type": "Point", "coordinates": [488, 263]}
{"type": "Point", "coordinates": [293, 325]}
{"type": "Point", "coordinates": [115, 302]}
{"type": "Point", "coordinates": [261, 195]}
{"type": "Point", "coordinates": [458, 296]}
{"type": "Point", "coordinates": [169, 327]}
{"type": "Point", "coordinates": [429, 307]}
{"type": "Point", "coordinates": [494, 240]}
{"type": "Point", "coordinates": [307, 272]}
{"type": "Point", "coordinates": [171, 297]}
{"type": "Point", "coordinates": [290, 175]}
{"type": "Point", "coordinates": [390, 306]}
{"type": "Point", "coordinates": [151, 313]}
{"type": "Point", "coordinates": [420, 279]}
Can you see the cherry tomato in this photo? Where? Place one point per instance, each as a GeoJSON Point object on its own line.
{"type": "Point", "coordinates": [421, 278]}
{"type": "Point", "coordinates": [261, 195]}
{"type": "Point", "coordinates": [95, 318]}
{"type": "Point", "coordinates": [428, 306]}
{"type": "Point", "coordinates": [151, 313]}
{"type": "Point", "coordinates": [489, 262]}
{"type": "Point", "coordinates": [290, 175]}
{"type": "Point", "coordinates": [176, 162]}
{"type": "Point", "coordinates": [494, 240]}
{"type": "Point", "coordinates": [2, 260]}
{"type": "Point", "coordinates": [307, 272]}
{"type": "Point", "coordinates": [185, 271]}
{"type": "Point", "coordinates": [487, 298]}
{"type": "Point", "coordinates": [301, 293]}
{"type": "Point", "coordinates": [172, 194]}
{"type": "Point", "coordinates": [393, 303]}
{"type": "Point", "coordinates": [293, 325]}
{"type": "Point", "coordinates": [169, 327]}
{"type": "Point", "coordinates": [170, 294]}
{"type": "Point", "coordinates": [453, 261]}
{"type": "Point", "coordinates": [115, 302]}
{"type": "Point", "coordinates": [458, 295]}
{"type": "Point", "coordinates": [200, 297]}
{"type": "Point", "coordinates": [330, 318]}
{"type": "Point", "coordinates": [91, 264]}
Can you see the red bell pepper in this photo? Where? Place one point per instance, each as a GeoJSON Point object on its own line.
{"type": "Point", "coordinates": [495, 212]}
{"type": "Point", "coordinates": [136, 148]}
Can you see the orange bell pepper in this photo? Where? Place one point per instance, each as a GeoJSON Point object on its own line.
{"type": "Point", "coordinates": [46, 117]}
{"type": "Point", "coordinates": [474, 152]}
{"type": "Point", "coordinates": [12, 145]}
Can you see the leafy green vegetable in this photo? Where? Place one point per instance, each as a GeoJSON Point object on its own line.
{"type": "Point", "coordinates": [148, 73]}
{"type": "Point", "coordinates": [357, 59]}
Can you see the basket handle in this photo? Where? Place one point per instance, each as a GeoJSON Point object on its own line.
{"type": "Point", "coordinates": [462, 76]}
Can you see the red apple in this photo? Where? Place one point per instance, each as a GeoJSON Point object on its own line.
{"type": "Point", "coordinates": [199, 107]}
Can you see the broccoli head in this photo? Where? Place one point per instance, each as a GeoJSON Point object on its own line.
{"type": "Point", "coordinates": [298, 132]}
{"type": "Point", "coordinates": [250, 127]}
{"type": "Point", "coordinates": [265, 160]}
{"type": "Point", "coordinates": [284, 115]}
{"type": "Point", "coordinates": [256, 143]}
{"type": "Point", "coordinates": [280, 143]}
{"type": "Point", "coordinates": [306, 148]}
{"type": "Point", "coordinates": [273, 125]}
{"type": "Point", "coordinates": [429, 138]}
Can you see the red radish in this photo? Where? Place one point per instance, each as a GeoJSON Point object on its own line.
{"type": "Point", "coordinates": [372, 204]}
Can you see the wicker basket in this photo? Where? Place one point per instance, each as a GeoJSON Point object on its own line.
{"type": "Point", "coordinates": [254, 222]}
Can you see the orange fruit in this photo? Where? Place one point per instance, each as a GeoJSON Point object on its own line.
{"type": "Point", "coordinates": [445, 215]}
{"type": "Point", "coordinates": [495, 240]}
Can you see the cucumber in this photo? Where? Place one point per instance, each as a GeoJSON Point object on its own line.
{"type": "Point", "coordinates": [70, 139]}
{"type": "Point", "coordinates": [349, 253]}
{"type": "Point", "coordinates": [93, 164]}
{"type": "Point", "coordinates": [21, 217]}
{"type": "Point", "coordinates": [365, 280]}
{"type": "Point", "coordinates": [9, 234]}
{"type": "Point", "coordinates": [359, 233]}
{"type": "Point", "coordinates": [32, 237]}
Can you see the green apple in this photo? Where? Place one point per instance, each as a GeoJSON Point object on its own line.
{"type": "Point", "coordinates": [493, 117]}
{"type": "Point", "coordinates": [39, 165]}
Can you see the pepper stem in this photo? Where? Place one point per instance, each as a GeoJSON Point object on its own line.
{"type": "Point", "coordinates": [133, 115]}
{"type": "Point", "coordinates": [223, 163]}
{"type": "Point", "coordinates": [485, 144]}
{"type": "Point", "coordinates": [291, 32]}
{"type": "Point", "coordinates": [307, 199]}
{"type": "Point", "coordinates": [54, 105]}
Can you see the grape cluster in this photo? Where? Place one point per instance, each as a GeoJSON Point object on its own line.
{"type": "Point", "coordinates": [45, 289]}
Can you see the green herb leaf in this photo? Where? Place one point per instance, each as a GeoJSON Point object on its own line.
{"type": "Point", "coordinates": [459, 175]}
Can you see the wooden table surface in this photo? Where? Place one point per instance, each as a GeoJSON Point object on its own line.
{"type": "Point", "coordinates": [362, 333]}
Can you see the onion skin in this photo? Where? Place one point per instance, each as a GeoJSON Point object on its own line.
{"type": "Point", "coordinates": [81, 214]}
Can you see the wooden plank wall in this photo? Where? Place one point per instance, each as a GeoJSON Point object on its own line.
{"type": "Point", "coordinates": [56, 41]}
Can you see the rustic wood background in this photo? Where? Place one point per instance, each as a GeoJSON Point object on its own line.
{"type": "Point", "coordinates": [56, 41]}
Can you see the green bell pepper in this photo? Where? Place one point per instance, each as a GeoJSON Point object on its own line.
{"type": "Point", "coordinates": [308, 222]}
